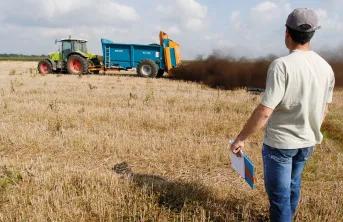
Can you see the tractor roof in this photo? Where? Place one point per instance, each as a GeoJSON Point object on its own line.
{"type": "Point", "coordinates": [73, 39]}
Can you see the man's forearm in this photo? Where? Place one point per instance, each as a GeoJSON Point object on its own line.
{"type": "Point", "coordinates": [257, 120]}
{"type": "Point", "coordinates": [325, 112]}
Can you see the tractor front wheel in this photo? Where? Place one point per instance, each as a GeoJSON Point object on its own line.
{"type": "Point", "coordinates": [147, 68]}
{"type": "Point", "coordinates": [76, 64]}
{"type": "Point", "coordinates": [44, 67]}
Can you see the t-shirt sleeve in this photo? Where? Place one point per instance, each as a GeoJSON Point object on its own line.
{"type": "Point", "coordinates": [331, 87]}
{"type": "Point", "coordinates": [275, 87]}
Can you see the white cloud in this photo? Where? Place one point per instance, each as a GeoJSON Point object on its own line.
{"type": "Point", "coordinates": [266, 11]}
{"type": "Point", "coordinates": [329, 22]}
{"type": "Point", "coordinates": [123, 12]}
{"type": "Point", "coordinates": [68, 13]}
{"type": "Point", "coordinates": [53, 32]}
{"type": "Point", "coordinates": [209, 37]}
{"type": "Point", "coordinates": [288, 8]}
{"type": "Point", "coordinates": [235, 19]}
{"type": "Point", "coordinates": [195, 24]}
{"type": "Point", "coordinates": [335, 3]}
{"type": "Point", "coordinates": [236, 15]}
{"type": "Point", "coordinates": [192, 8]}
{"type": "Point", "coordinates": [214, 37]}
{"type": "Point", "coordinates": [165, 10]}
{"type": "Point", "coordinates": [173, 30]}
{"type": "Point", "coordinates": [188, 14]}
{"type": "Point", "coordinates": [265, 7]}
{"type": "Point", "coordinates": [321, 13]}
{"type": "Point", "coordinates": [224, 43]}
{"type": "Point", "coordinates": [48, 20]}
{"type": "Point", "coordinates": [61, 6]}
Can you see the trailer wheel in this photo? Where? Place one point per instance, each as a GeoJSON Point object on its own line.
{"type": "Point", "coordinates": [160, 73]}
{"type": "Point", "coordinates": [44, 67]}
{"type": "Point", "coordinates": [147, 68]}
{"type": "Point", "coordinates": [76, 64]}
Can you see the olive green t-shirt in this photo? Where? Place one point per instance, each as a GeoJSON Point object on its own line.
{"type": "Point", "coordinates": [298, 88]}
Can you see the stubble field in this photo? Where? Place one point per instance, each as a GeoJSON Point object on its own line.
{"type": "Point", "coordinates": [62, 135]}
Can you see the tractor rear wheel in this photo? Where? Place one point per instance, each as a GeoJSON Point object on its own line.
{"type": "Point", "coordinates": [147, 68]}
{"type": "Point", "coordinates": [76, 64]}
{"type": "Point", "coordinates": [44, 67]}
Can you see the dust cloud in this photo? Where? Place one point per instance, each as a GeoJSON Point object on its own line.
{"type": "Point", "coordinates": [225, 72]}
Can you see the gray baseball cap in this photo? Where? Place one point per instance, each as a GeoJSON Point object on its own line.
{"type": "Point", "coordinates": [303, 16]}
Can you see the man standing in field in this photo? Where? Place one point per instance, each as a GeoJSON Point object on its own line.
{"type": "Point", "coordinates": [298, 91]}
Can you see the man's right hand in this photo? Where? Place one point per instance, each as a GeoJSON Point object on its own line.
{"type": "Point", "coordinates": [237, 147]}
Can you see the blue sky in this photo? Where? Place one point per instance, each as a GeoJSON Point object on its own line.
{"type": "Point", "coordinates": [249, 28]}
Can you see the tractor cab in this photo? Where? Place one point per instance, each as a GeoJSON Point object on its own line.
{"type": "Point", "coordinates": [73, 45]}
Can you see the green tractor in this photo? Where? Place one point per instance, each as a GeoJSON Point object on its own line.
{"type": "Point", "coordinates": [72, 57]}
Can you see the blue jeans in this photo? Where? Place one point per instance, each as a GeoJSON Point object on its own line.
{"type": "Point", "coordinates": [282, 179]}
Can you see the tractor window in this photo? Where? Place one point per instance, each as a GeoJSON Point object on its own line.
{"type": "Point", "coordinates": [84, 47]}
{"type": "Point", "coordinates": [66, 49]}
{"type": "Point", "coordinates": [80, 46]}
{"type": "Point", "coordinates": [66, 46]}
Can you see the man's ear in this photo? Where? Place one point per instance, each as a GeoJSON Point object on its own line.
{"type": "Point", "coordinates": [287, 34]}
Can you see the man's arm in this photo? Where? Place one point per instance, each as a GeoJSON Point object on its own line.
{"type": "Point", "coordinates": [326, 111]}
{"type": "Point", "coordinates": [257, 120]}
{"type": "Point", "coordinates": [330, 95]}
{"type": "Point", "coordinates": [273, 95]}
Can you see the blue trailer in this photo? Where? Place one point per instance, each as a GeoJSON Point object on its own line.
{"type": "Point", "coordinates": [149, 60]}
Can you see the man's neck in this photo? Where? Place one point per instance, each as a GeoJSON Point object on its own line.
{"type": "Point", "coordinates": [306, 47]}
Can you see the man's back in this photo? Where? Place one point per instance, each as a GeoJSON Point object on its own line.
{"type": "Point", "coordinates": [298, 88]}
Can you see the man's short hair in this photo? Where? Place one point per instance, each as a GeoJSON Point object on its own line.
{"type": "Point", "coordinates": [301, 37]}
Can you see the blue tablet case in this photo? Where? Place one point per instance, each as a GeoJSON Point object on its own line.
{"type": "Point", "coordinates": [249, 171]}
